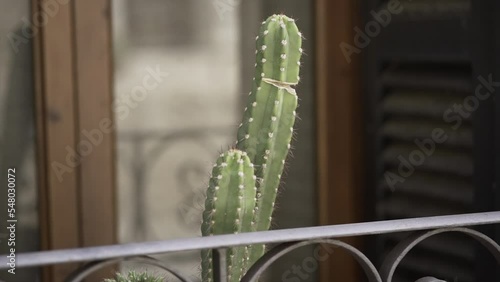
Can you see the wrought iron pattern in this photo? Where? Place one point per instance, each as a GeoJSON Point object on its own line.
{"type": "Point", "coordinates": [143, 159]}
{"type": "Point", "coordinates": [287, 239]}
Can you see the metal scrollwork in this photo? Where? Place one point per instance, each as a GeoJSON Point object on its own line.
{"type": "Point", "coordinates": [274, 254]}
{"type": "Point", "coordinates": [404, 247]}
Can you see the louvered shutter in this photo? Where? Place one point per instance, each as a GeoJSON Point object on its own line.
{"type": "Point", "coordinates": [416, 69]}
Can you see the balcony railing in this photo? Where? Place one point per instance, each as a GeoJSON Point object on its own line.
{"type": "Point", "coordinates": [287, 239]}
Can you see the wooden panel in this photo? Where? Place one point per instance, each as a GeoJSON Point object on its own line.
{"type": "Point", "coordinates": [75, 139]}
{"type": "Point", "coordinates": [339, 128]}
{"type": "Point", "coordinates": [41, 155]}
{"type": "Point", "coordinates": [94, 76]}
{"type": "Point", "coordinates": [56, 118]}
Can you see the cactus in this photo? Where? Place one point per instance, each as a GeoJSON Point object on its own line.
{"type": "Point", "coordinates": [267, 127]}
{"type": "Point", "coordinates": [229, 208]}
{"type": "Point", "coordinates": [245, 180]}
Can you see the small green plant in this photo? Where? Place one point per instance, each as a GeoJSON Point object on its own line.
{"type": "Point", "coordinates": [245, 180]}
{"type": "Point", "coordinates": [133, 276]}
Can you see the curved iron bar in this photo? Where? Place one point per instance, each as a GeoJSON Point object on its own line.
{"type": "Point", "coordinates": [275, 253]}
{"type": "Point", "coordinates": [91, 267]}
{"type": "Point", "coordinates": [262, 237]}
{"type": "Point", "coordinates": [404, 247]}
{"type": "Point", "coordinates": [165, 139]}
{"type": "Point", "coordinates": [143, 161]}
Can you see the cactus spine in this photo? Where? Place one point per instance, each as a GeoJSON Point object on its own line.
{"type": "Point", "coordinates": [267, 127]}
{"type": "Point", "coordinates": [245, 180]}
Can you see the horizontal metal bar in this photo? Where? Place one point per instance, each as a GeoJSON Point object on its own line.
{"type": "Point", "coordinates": [263, 237]}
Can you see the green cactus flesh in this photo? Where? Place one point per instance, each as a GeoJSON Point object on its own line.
{"type": "Point", "coordinates": [229, 209]}
{"type": "Point", "coordinates": [267, 127]}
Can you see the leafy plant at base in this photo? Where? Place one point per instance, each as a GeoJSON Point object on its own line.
{"type": "Point", "coordinates": [133, 276]}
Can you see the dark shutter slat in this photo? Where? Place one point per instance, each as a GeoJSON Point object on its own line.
{"type": "Point", "coordinates": [442, 160]}
{"type": "Point", "coordinates": [409, 129]}
{"type": "Point", "coordinates": [434, 185]}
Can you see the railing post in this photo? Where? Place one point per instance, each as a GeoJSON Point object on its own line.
{"type": "Point", "coordinates": [220, 265]}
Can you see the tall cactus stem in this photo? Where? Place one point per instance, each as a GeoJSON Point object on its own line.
{"type": "Point", "coordinates": [267, 127]}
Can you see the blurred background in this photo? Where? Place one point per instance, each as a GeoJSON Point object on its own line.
{"type": "Point", "coordinates": [113, 112]}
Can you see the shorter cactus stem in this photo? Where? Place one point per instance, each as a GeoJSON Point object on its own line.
{"type": "Point", "coordinates": [229, 208]}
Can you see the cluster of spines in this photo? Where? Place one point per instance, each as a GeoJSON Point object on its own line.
{"type": "Point", "coordinates": [229, 208]}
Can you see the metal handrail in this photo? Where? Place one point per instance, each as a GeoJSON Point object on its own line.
{"type": "Point", "coordinates": [264, 237]}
